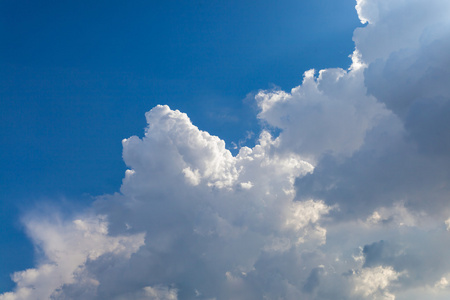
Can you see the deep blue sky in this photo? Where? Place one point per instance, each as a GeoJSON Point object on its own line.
{"type": "Point", "coordinates": [76, 77]}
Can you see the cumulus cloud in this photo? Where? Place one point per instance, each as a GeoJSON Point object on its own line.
{"type": "Point", "coordinates": [328, 114]}
{"type": "Point", "coordinates": [67, 248]}
{"type": "Point", "coordinates": [405, 155]}
{"type": "Point", "coordinates": [373, 282]}
{"type": "Point", "coordinates": [348, 201]}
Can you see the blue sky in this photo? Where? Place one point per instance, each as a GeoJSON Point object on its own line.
{"type": "Point", "coordinates": [77, 76]}
{"type": "Point", "coordinates": [225, 150]}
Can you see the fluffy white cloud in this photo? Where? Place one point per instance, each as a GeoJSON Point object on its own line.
{"type": "Point", "coordinates": [372, 283]}
{"type": "Point", "coordinates": [208, 218]}
{"type": "Point", "coordinates": [67, 247]}
{"type": "Point", "coordinates": [348, 201]}
{"type": "Point", "coordinates": [329, 114]}
{"type": "Point", "coordinates": [397, 25]}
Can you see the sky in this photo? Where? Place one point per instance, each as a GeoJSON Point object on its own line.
{"type": "Point", "coordinates": [225, 150]}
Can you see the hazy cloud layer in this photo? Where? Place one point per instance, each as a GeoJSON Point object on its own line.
{"type": "Point", "coordinates": [349, 201]}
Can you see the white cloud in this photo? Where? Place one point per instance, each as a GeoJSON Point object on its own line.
{"type": "Point", "coordinates": [442, 283]}
{"type": "Point", "coordinates": [66, 248]}
{"type": "Point", "coordinates": [346, 202]}
{"type": "Point", "coordinates": [398, 24]}
{"type": "Point", "coordinates": [203, 213]}
{"type": "Point", "coordinates": [372, 283]}
{"type": "Point", "coordinates": [329, 114]}
{"type": "Point", "coordinates": [160, 293]}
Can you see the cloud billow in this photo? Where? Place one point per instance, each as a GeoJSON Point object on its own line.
{"type": "Point", "coordinates": [349, 201]}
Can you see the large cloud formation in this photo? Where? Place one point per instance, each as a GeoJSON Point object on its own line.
{"type": "Point", "coordinates": [349, 201]}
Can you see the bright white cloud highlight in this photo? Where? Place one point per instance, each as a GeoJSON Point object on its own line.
{"type": "Point", "coordinates": [372, 283]}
